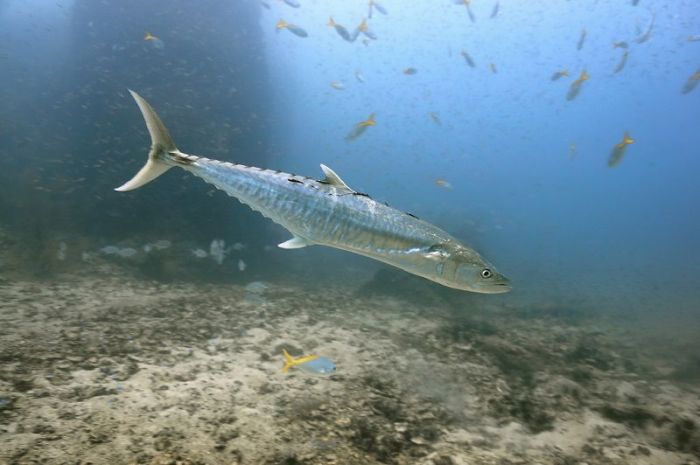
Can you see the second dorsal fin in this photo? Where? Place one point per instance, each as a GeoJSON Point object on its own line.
{"type": "Point", "coordinates": [332, 178]}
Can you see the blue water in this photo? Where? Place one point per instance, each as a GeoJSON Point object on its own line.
{"type": "Point", "coordinates": [561, 227]}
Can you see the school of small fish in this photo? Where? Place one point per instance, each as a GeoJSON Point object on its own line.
{"type": "Point", "coordinates": [363, 31]}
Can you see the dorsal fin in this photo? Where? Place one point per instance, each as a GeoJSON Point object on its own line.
{"type": "Point", "coordinates": [332, 178]}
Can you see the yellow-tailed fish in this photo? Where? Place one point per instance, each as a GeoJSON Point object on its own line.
{"type": "Point", "coordinates": [691, 83]}
{"type": "Point", "coordinates": [337, 85]}
{"type": "Point", "coordinates": [154, 41]}
{"type": "Point", "coordinates": [575, 87]}
{"type": "Point", "coordinates": [360, 128]}
{"type": "Point", "coordinates": [364, 29]}
{"type": "Point", "coordinates": [293, 28]}
{"type": "Point", "coordinates": [310, 363]}
{"type": "Point", "coordinates": [619, 150]}
{"type": "Point", "coordinates": [375, 6]}
{"type": "Point", "coordinates": [342, 32]}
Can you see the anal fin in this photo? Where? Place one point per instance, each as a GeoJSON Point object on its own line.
{"type": "Point", "coordinates": [295, 242]}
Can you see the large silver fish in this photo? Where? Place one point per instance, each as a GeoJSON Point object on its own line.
{"type": "Point", "coordinates": [329, 213]}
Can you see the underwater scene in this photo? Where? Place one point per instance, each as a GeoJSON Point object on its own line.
{"type": "Point", "coordinates": [363, 232]}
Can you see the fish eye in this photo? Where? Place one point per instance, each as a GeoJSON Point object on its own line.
{"type": "Point", "coordinates": [486, 273]}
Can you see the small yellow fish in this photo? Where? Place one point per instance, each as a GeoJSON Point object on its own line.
{"type": "Point", "coordinates": [575, 87]}
{"type": "Point", "coordinates": [376, 6]}
{"type": "Point", "coordinates": [294, 29]}
{"type": "Point", "coordinates": [443, 183]}
{"type": "Point", "coordinates": [155, 41]}
{"type": "Point", "coordinates": [410, 71]}
{"type": "Point", "coordinates": [364, 29]}
{"type": "Point", "coordinates": [360, 128]}
{"type": "Point", "coordinates": [619, 150]}
{"type": "Point", "coordinates": [342, 32]}
{"type": "Point", "coordinates": [337, 85]}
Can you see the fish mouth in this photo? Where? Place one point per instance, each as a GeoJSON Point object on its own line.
{"type": "Point", "coordinates": [499, 288]}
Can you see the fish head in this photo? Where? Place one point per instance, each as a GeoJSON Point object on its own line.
{"type": "Point", "coordinates": [463, 268]}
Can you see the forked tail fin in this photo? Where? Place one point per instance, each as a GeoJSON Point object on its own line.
{"type": "Point", "coordinates": [288, 361]}
{"type": "Point", "coordinates": [161, 144]}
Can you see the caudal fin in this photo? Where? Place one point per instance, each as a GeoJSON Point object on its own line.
{"type": "Point", "coordinates": [288, 361]}
{"type": "Point", "coordinates": [161, 144]}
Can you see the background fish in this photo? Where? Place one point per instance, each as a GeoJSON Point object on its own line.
{"type": "Point", "coordinates": [691, 83]}
{"type": "Point", "coordinates": [618, 152]}
{"type": "Point", "coordinates": [581, 40]}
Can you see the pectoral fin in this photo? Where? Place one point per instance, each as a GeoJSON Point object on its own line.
{"type": "Point", "coordinates": [295, 242]}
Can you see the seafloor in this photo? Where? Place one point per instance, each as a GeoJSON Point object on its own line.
{"type": "Point", "coordinates": [102, 367]}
